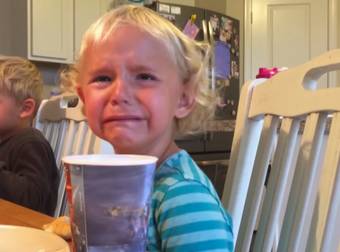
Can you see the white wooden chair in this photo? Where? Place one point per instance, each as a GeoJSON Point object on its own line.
{"type": "Point", "coordinates": [62, 122]}
{"type": "Point", "coordinates": [289, 124]}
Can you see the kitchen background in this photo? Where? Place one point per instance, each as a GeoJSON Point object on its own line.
{"type": "Point", "coordinates": [15, 29]}
{"type": "Point", "coordinates": [49, 33]}
{"type": "Point", "coordinates": [25, 31]}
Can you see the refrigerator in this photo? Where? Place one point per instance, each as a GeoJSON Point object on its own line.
{"type": "Point", "coordinates": [222, 33]}
{"type": "Point", "coordinates": [211, 149]}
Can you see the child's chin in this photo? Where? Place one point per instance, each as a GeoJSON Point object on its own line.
{"type": "Point", "coordinates": [121, 143]}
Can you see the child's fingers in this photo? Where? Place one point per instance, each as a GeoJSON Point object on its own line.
{"type": "Point", "coordinates": [63, 229]}
{"type": "Point", "coordinates": [60, 226]}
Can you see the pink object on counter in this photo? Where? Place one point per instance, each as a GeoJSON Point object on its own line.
{"type": "Point", "coordinates": [267, 72]}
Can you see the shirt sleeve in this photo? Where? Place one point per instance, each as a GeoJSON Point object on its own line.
{"type": "Point", "coordinates": [190, 218]}
{"type": "Point", "coordinates": [27, 179]}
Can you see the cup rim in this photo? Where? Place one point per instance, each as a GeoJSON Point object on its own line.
{"type": "Point", "coordinates": [109, 159]}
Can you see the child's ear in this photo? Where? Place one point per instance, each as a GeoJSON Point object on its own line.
{"type": "Point", "coordinates": [27, 108]}
{"type": "Point", "coordinates": [186, 102]}
{"type": "Point", "coordinates": [81, 96]}
{"type": "Point", "coordinates": [80, 92]}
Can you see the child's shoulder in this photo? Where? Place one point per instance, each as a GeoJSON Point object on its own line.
{"type": "Point", "coordinates": [26, 136]}
{"type": "Point", "coordinates": [181, 187]}
{"type": "Point", "coordinates": [26, 142]}
{"type": "Point", "coordinates": [30, 133]}
{"type": "Point", "coordinates": [180, 166]}
{"type": "Point", "coordinates": [180, 173]}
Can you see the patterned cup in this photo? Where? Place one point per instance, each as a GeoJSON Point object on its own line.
{"type": "Point", "coordinates": [109, 199]}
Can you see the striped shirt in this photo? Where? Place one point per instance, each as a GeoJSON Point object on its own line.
{"type": "Point", "coordinates": [186, 213]}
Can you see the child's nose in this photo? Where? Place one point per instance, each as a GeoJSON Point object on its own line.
{"type": "Point", "coordinates": [121, 91]}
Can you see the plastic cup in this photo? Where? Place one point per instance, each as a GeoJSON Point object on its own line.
{"type": "Point", "coordinates": [109, 198]}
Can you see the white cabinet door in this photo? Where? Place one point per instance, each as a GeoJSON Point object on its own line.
{"type": "Point", "coordinates": [50, 30]}
{"type": "Point", "coordinates": [87, 12]}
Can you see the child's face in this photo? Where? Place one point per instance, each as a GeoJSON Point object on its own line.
{"type": "Point", "coordinates": [9, 114]}
{"type": "Point", "coordinates": [132, 92]}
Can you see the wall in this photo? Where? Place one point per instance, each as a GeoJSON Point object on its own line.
{"type": "Point", "coordinates": [181, 2]}
{"type": "Point", "coordinates": [13, 27]}
{"type": "Point", "coordinates": [338, 12]}
{"type": "Point", "coordinates": [5, 27]}
{"type": "Point", "coordinates": [235, 9]}
{"type": "Point", "coordinates": [214, 5]}
{"type": "Point", "coordinates": [19, 27]}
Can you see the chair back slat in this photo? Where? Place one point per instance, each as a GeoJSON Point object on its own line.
{"type": "Point", "coordinates": [70, 138]}
{"type": "Point", "coordinates": [244, 167]}
{"type": "Point", "coordinates": [254, 197]}
{"type": "Point", "coordinates": [331, 236]}
{"type": "Point", "coordinates": [241, 120]}
{"type": "Point", "coordinates": [89, 142]}
{"type": "Point", "coordinates": [78, 143]}
{"type": "Point", "coordinates": [66, 129]}
{"type": "Point", "coordinates": [282, 187]}
{"type": "Point", "coordinates": [61, 140]}
{"type": "Point", "coordinates": [278, 185]}
{"type": "Point", "coordinates": [49, 131]}
{"type": "Point", "coordinates": [231, 187]}
{"type": "Point", "coordinates": [327, 184]}
{"type": "Point", "coordinates": [54, 135]}
{"type": "Point", "coordinates": [60, 210]}
{"type": "Point", "coordinates": [303, 192]}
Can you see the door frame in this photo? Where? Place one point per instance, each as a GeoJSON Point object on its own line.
{"type": "Point", "coordinates": [332, 36]}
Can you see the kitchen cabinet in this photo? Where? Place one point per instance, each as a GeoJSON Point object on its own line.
{"type": "Point", "coordinates": [56, 27]}
{"type": "Point", "coordinates": [50, 30]}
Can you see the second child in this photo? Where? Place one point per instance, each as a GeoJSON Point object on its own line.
{"type": "Point", "coordinates": [28, 172]}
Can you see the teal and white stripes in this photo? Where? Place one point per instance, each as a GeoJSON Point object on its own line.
{"type": "Point", "coordinates": [186, 213]}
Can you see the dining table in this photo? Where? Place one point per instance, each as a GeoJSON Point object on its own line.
{"type": "Point", "coordinates": [17, 215]}
{"type": "Point", "coordinates": [14, 214]}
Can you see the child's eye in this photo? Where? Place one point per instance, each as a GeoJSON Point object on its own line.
{"type": "Point", "coordinates": [145, 76]}
{"type": "Point", "coordinates": [101, 78]}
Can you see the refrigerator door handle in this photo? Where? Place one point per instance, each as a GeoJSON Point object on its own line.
{"type": "Point", "coordinates": [211, 35]}
{"type": "Point", "coordinates": [205, 31]}
{"type": "Point", "coordinates": [211, 41]}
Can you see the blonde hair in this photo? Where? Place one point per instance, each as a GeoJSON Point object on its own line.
{"type": "Point", "coordinates": [190, 56]}
{"type": "Point", "coordinates": [20, 79]}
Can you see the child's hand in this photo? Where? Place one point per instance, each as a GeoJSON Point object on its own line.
{"type": "Point", "coordinates": [60, 226]}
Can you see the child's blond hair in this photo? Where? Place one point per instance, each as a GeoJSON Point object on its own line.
{"type": "Point", "coordinates": [20, 79]}
{"type": "Point", "coordinates": [190, 56]}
